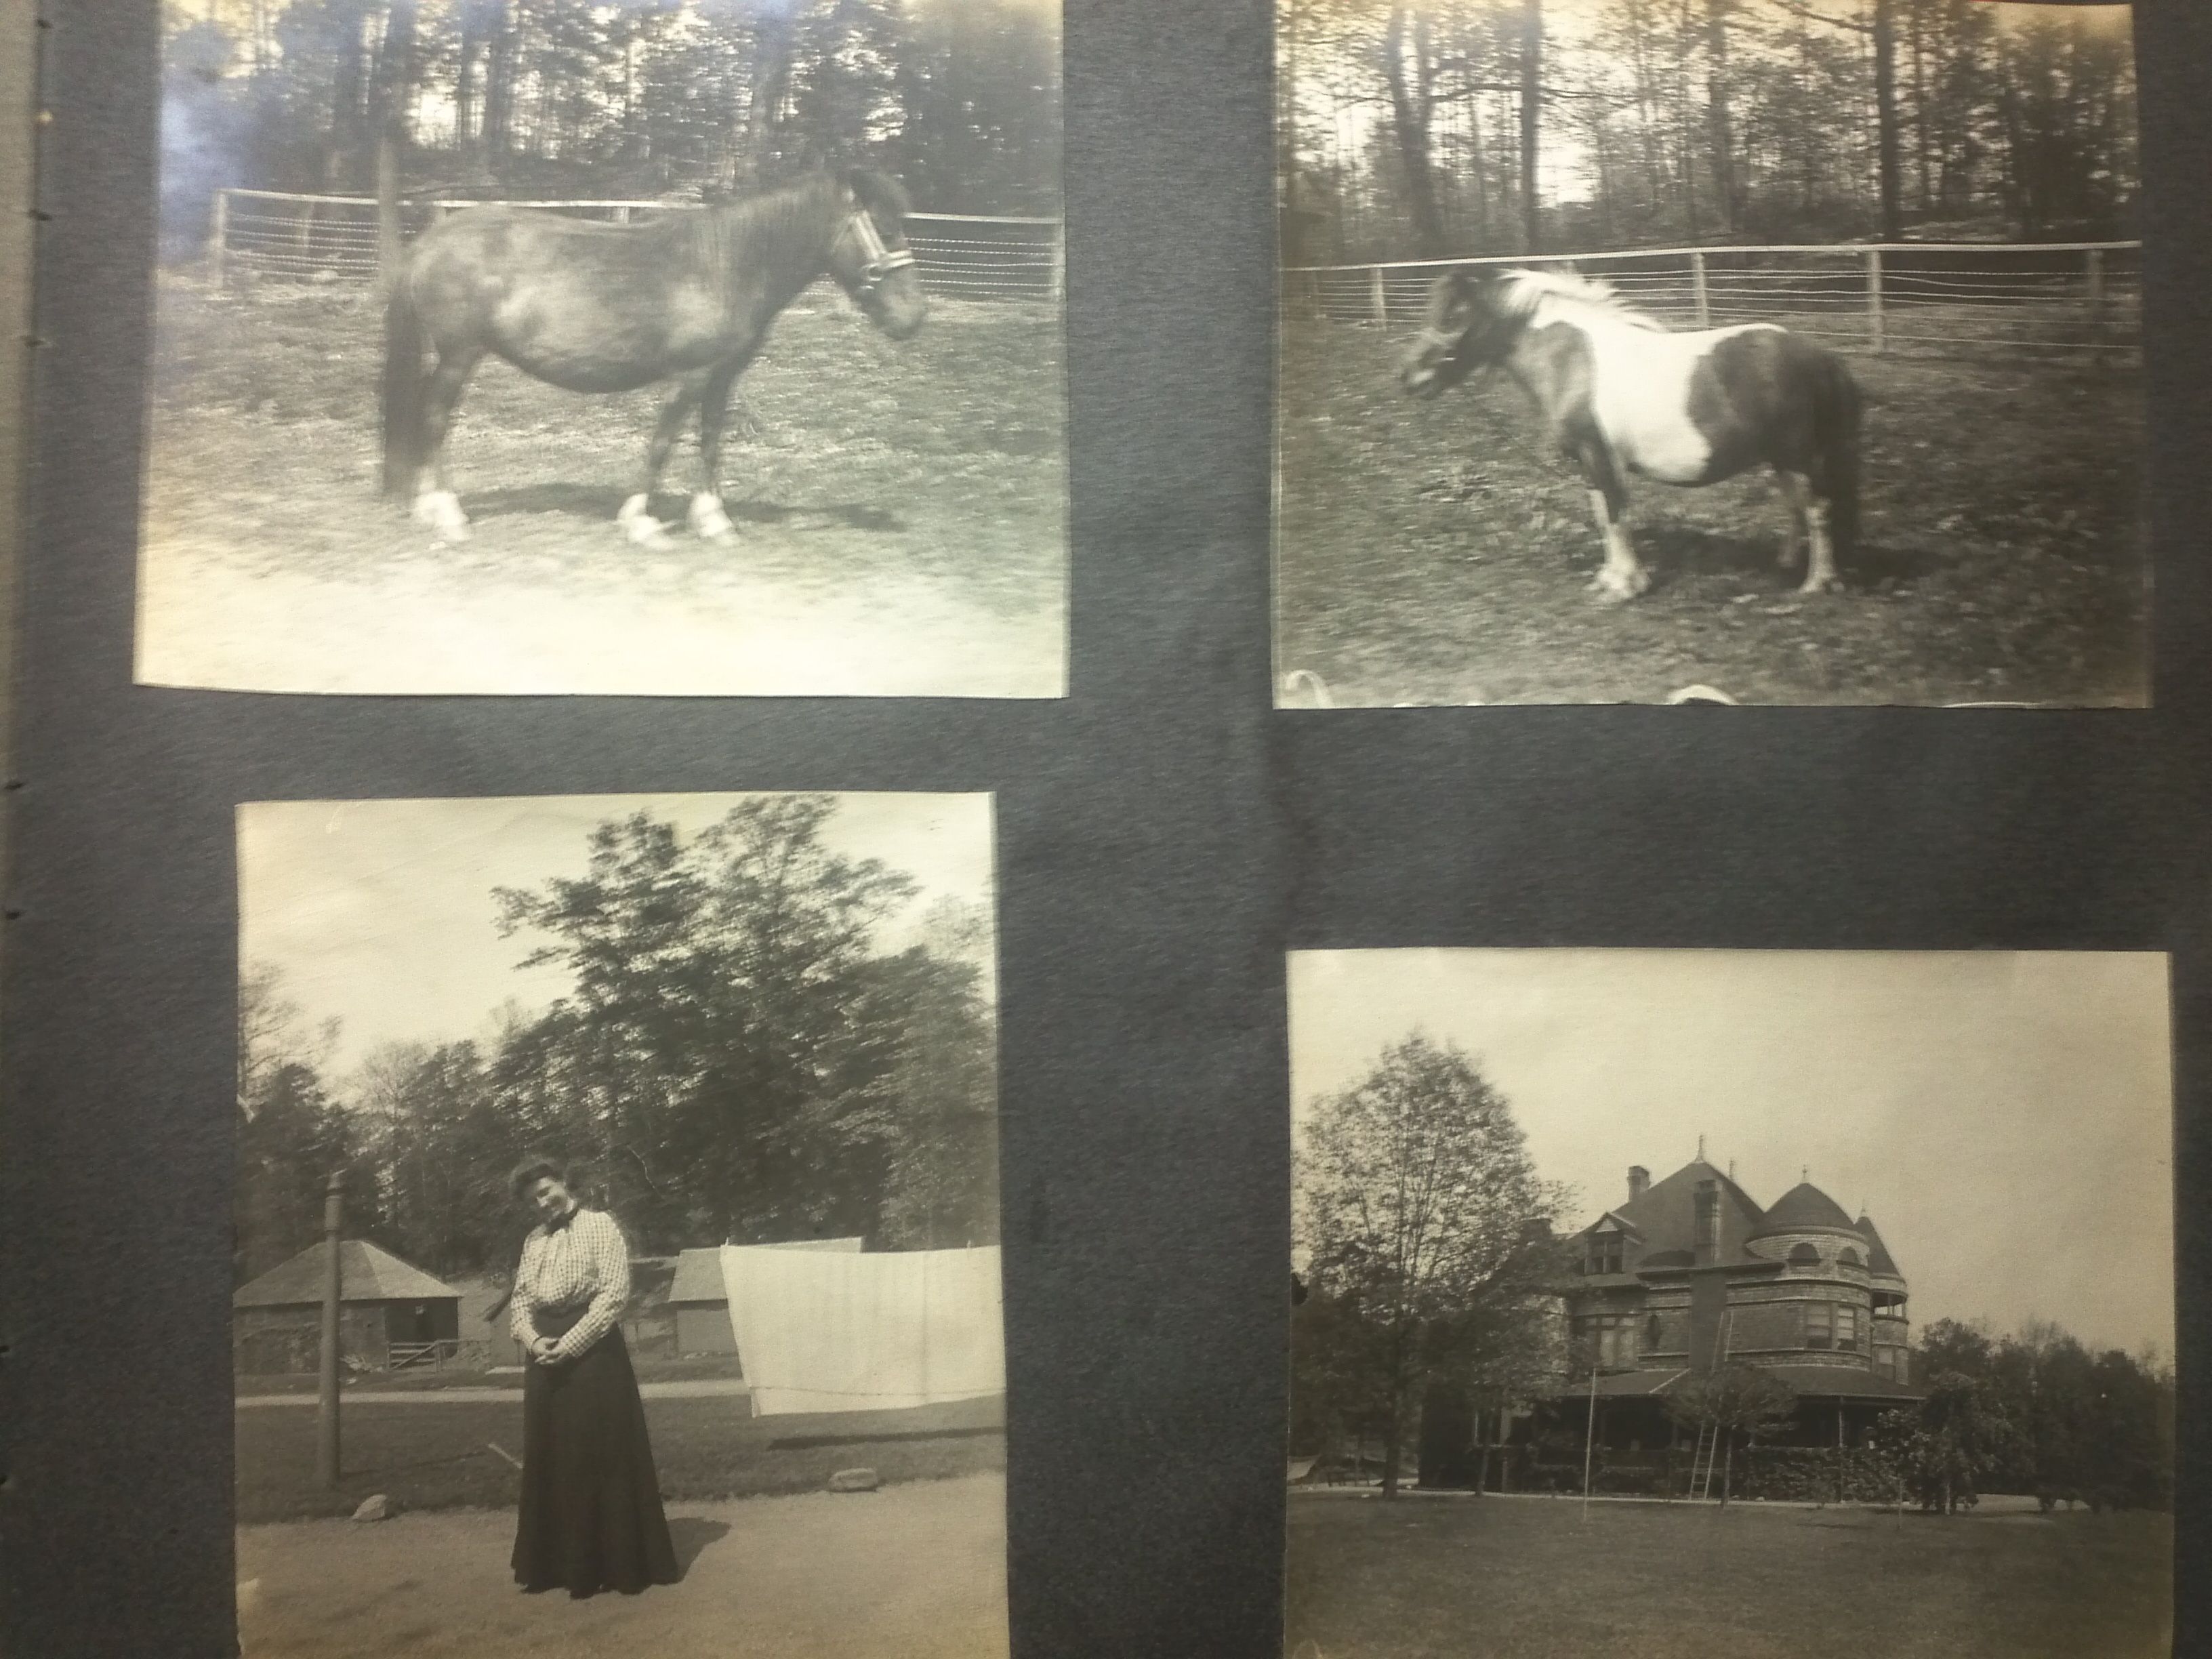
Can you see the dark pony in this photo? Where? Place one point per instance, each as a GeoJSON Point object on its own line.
{"type": "Point", "coordinates": [687, 296]}
{"type": "Point", "coordinates": [1625, 396]}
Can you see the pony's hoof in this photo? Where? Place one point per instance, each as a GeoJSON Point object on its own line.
{"type": "Point", "coordinates": [1610, 588]}
{"type": "Point", "coordinates": [640, 527]}
{"type": "Point", "coordinates": [708, 521]}
{"type": "Point", "coordinates": [1823, 585]}
{"type": "Point", "coordinates": [440, 510]}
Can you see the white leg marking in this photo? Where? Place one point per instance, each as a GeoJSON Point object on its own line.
{"type": "Point", "coordinates": [640, 526]}
{"type": "Point", "coordinates": [1821, 568]}
{"type": "Point", "coordinates": [440, 509]}
{"type": "Point", "coordinates": [1795, 495]}
{"type": "Point", "coordinates": [1622, 576]}
{"type": "Point", "coordinates": [708, 521]}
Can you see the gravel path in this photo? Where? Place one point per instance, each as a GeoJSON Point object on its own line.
{"type": "Point", "coordinates": [913, 1572]}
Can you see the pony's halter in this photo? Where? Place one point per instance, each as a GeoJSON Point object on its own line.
{"type": "Point", "coordinates": [877, 261]}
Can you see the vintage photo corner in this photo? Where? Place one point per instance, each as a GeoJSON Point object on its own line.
{"type": "Point", "coordinates": [615, 1260]}
{"type": "Point", "coordinates": [1682, 1302]}
{"type": "Point", "coordinates": [669, 347]}
{"type": "Point", "coordinates": [1753, 351]}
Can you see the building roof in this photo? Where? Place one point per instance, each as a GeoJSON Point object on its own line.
{"type": "Point", "coordinates": [1803, 1208]}
{"type": "Point", "coordinates": [1841, 1381]}
{"type": "Point", "coordinates": [367, 1273]}
{"type": "Point", "coordinates": [1664, 1216]}
{"type": "Point", "coordinates": [1878, 1257]}
{"type": "Point", "coordinates": [698, 1277]}
{"type": "Point", "coordinates": [1806, 1381]}
{"type": "Point", "coordinates": [699, 1271]}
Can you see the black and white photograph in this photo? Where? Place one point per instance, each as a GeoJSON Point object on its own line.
{"type": "Point", "coordinates": [1731, 1302]}
{"type": "Point", "coordinates": [616, 1247]}
{"type": "Point", "coordinates": [668, 347]}
{"type": "Point", "coordinates": [1737, 351]}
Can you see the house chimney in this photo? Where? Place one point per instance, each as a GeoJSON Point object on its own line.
{"type": "Point", "coordinates": [1708, 1234]}
{"type": "Point", "coordinates": [1639, 1181]}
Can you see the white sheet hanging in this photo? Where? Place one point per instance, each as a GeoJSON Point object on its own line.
{"type": "Point", "coordinates": [831, 1331]}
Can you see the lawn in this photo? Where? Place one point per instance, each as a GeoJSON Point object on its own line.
{"type": "Point", "coordinates": [899, 500]}
{"type": "Point", "coordinates": [439, 1455]}
{"type": "Point", "coordinates": [689, 1368]}
{"type": "Point", "coordinates": [1437, 553]}
{"type": "Point", "coordinates": [1533, 1578]}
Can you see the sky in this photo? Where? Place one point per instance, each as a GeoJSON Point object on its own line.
{"type": "Point", "coordinates": [379, 913]}
{"type": "Point", "coordinates": [2004, 1118]}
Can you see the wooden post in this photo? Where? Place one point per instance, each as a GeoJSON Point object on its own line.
{"type": "Point", "coordinates": [1377, 299]}
{"type": "Point", "coordinates": [1874, 297]}
{"type": "Point", "coordinates": [219, 233]}
{"type": "Point", "coordinates": [1697, 282]}
{"type": "Point", "coordinates": [1059, 265]}
{"type": "Point", "coordinates": [2096, 298]}
{"type": "Point", "coordinates": [326, 1417]}
{"type": "Point", "coordinates": [1590, 1443]}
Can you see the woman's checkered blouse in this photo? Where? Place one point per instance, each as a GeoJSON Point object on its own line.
{"type": "Point", "coordinates": [582, 1259]}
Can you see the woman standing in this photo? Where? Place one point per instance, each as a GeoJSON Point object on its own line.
{"type": "Point", "coordinates": [591, 1516]}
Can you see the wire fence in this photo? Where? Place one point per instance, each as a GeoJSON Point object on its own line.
{"type": "Point", "coordinates": [284, 236]}
{"type": "Point", "coordinates": [2056, 301]}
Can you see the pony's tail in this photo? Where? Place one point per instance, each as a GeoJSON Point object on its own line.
{"type": "Point", "coordinates": [402, 392]}
{"type": "Point", "coordinates": [1836, 419]}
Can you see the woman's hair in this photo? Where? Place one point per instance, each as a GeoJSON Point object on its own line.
{"type": "Point", "coordinates": [531, 1171]}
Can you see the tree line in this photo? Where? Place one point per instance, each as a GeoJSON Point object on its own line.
{"type": "Point", "coordinates": [1418, 129]}
{"type": "Point", "coordinates": [2034, 1412]}
{"type": "Point", "coordinates": [645, 99]}
{"type": "Point", "coordinates": [736, 1062]}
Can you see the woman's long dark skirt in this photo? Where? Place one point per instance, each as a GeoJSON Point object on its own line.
{"type": "Point", "coordinates": [590, 1515]}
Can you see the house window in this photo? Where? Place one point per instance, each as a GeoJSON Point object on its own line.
{"type": "Point", "coordinates": [1609, 1339]}
{"type": "Point", "coordinates": [1819, 1325]}
{"type": "Point", "coordinates": [1847, 1329]}
{"type": "Point", "coordinates": [1605, 1254]}
{"type": "Point", "coordinates": [1651, 1335]}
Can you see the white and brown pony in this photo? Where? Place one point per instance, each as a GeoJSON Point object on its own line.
{"type": "Point", "coordinates": [1623, 395]}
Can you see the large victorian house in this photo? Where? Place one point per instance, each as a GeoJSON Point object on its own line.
{"type": "Point", "coordinates": [1690, 1275]}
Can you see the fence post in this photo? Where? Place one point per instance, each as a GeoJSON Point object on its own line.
{"type": "Point", "coordinates": [219, 233]}
{"type": "Point", "coordinates": [1697, 283]}
{"type": "Point", "coordinates": [1059, 265]}
{"type": "Point", "coordinates": [1378, 300]}
{"type": "Point", "coordinates": [1874, 296]}
{"type": "Point", "coordinates": [2096, 297]}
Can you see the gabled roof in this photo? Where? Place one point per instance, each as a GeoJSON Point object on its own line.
{"type": "Point", "coordinates": [1803, 1208]}
{"type": "Point", "coordinates": [366, 1274]}
{"type": "Point", "coordinates": [1665, 1214]}
{"type": "Point", "coordinates": [699, 1271]}
{"type": "Point", "coordinates": [1878, 1257]}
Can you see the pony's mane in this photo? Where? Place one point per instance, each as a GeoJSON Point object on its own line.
{"type": "Point", "coordinates": [881, 194]}
{"type": "Point", "coordinates": [800, 213]}
{"type": "Point", "coordinates": [1529, 294]}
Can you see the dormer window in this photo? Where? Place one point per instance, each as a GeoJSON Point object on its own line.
{"type": "Point", "coordinates": [1605, 1254]}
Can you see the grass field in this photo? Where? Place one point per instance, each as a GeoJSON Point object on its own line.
{"type": "Point", "coordinates": [417, 1380]}
{"type": "Point", "coordinates": [1437, 553]}
{"type": "Point", "coordinates": [439, 1455]}
{"type": "Point", "coordinates": [900, 507]}
{"type": "Point", "coordinates": [1529, 1579]}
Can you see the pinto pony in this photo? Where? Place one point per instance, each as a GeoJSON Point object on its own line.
{"type": "Point", "coordinates": [1623, 395]}
{"type": "Point", "coordinates": [598, 307]}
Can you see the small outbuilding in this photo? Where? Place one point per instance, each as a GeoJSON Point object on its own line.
{"type": "Point", "coordinates": [390, 1314]}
